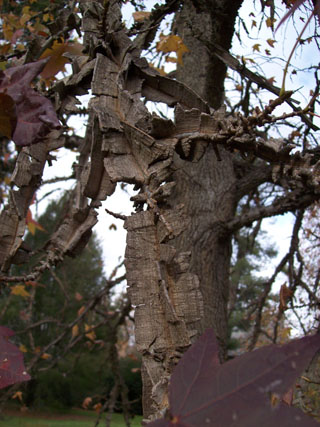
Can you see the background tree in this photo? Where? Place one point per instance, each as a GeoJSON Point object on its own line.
{"type": "Point", "coordinates": [200, 178]}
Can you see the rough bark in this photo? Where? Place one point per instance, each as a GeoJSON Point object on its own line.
{"type": "Point", "coordinates": [178, 238]}
{"type": "Point", "coordinates": [207, 189]}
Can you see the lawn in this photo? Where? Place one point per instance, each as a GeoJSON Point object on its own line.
{"type": "Point", "coordinates": [74, 418]}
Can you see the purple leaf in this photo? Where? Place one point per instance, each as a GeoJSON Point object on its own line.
{"type": "Point", "coordinates": [35, 113]}
{"type": "Point", "coordinates": [237, 393]}
{"type": "Point", "coordinates": [12, 369]}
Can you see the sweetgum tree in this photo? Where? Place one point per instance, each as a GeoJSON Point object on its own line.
{"type": "Point", "coordinates": [201, 176]}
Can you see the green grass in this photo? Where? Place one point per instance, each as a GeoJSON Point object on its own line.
{"type": "Point", "coordinates": [41, 420]}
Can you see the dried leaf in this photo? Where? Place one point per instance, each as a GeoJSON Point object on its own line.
{"type": "Point", "coordinates": [20, 290]}
{"type": "Point", "coordinates": [57, 61]}
{"type": "Point", "coordinates": [271, 42]}
{"type": "Point", "coordinates": [97, 407]}
{"type": "Point", "coordinates": [256, 47]}
{"type": "Point", "coordinates": [75, 331]}
{"type": "Point", "coordinates": [172, 43]}
{"type": "Point", "coordinates": [23, 348]}
{"type": "Point", "coordinates": [141, 15]}
{"type": "Point", "coordinates": [285, 294]}
{"type": "Point", "coordinates": [17, 395]}
{"type": "Point", "coordinates": [86, 402]}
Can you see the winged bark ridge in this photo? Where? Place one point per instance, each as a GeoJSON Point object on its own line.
{"type": "Point", "coordinates": [125, 143]}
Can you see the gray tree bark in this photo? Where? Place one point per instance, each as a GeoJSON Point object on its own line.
{"type": "Point", "coordinates": [207, 189]}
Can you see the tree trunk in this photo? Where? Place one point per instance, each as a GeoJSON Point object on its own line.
{"type": "Point", "coordinates": [207, 189]}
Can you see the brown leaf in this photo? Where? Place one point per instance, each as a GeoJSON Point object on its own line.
{"type": "Point", "coordinates": [285, 294]}
{"type": "Point", "coordinates": [141, 15]}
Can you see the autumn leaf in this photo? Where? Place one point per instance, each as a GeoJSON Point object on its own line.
{"type": "Point", "coordinates": [23, 348]}
{"type": "Point", "coordinates": [81, 310]}
{"type": "Point", "coordinates": [57, 61]}
{"type": "Point", "coordinates": [256, 47]}
{"type": "Point", "coordinates": [172, 43]}
{"type": "Point", "coordinates": [90, 335]}
{"type": "Point", "coordinates": [270, 22]}
{"type": "Point", "coordinates": [32, 224]}
{"type": "Point", "coordinates": [237, 393]}
{"type": "Point", "coordinates": [141, 15]}
{"type": "Point", "coordinates": [75, 331]}
{"type": "Point", "coordinates": [36, 116]}
{"type": "Point", "coordinates": [285, 294]}
{"type": "Point", "coordinates": [86, 402]}
{"type": "Point", "coordinates": [271, 42]}
{"type": "Point", "coordinates": [46, 356]}
{"type": "Point", "coordinates": [17, 395]}
{"type": "Point", "coordinates": [97, 407]}
{"type": "Point", "coordinates": [112, 227]}
{"type": "Point", "coordinates": [20, 290]}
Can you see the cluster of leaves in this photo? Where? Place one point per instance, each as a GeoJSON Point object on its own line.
{"type": "Point", "coordinates": [253, 389]}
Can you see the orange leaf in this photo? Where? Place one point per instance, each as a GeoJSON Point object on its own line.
{"type": "Point", "coordinates": [86, 402]}
{"type": "Point", "coordinates": [81, 310]}
{"type": "Point", "coordinates": [57, 62]}
{"type": "Point", "coordinates": [32, 224]}
{"type": "Point", "coordinates": [97, 407]}
{"type": "Point", "coordinates": [46, 356]}
{"type": "Point", "coordinates": [75, 331]}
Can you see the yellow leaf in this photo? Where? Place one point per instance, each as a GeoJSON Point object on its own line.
{"type": "Point", "coordinates": [17, 395]}
{"type": "Point", "coordinates": [90, 335]}
{"type": "Point", "coordinates": [253, 23]}
{"type": "Point", "coordinates": [75, 331]}
{"type": "Point", "coordinates": [256, 47]}
{"type": "Point", "coordinates": [271, 42]}
{"type": "Point", "coordinates": [23, 348]}
{"type": "Point", "coordinates": [172, 43]}
{"type": "Point", "coordinates": [140, 16]}
{"type": "Point", "coordinates": [20, 290]}
{"type": "Point", "coordinates": [86, 402]}
{"type": "Point", "coordinates": [46, 356]}
{"type": "Point", "coordinates": [112, 227]}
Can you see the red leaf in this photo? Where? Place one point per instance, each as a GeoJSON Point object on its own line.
{"type": "Point", "coordinates": [12, 369]}
{"type": "Point", "coordinates": [237, 393]}
{"type": "Point", "coordinates": [35, 113]}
